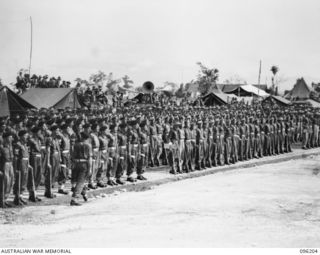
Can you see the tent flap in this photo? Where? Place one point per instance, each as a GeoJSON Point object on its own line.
{"type": "Point", "coordinates": [58, 98]}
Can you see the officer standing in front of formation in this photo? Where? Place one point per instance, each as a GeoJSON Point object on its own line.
{"type": "Point", "coordinates": [6, 168]}
{"type": "Point", "coordinates": [82, 158]}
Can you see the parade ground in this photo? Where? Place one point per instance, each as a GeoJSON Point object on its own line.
{"type": "Point", "coordinates": [267, 205]}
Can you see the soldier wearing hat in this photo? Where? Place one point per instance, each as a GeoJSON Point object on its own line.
{"type": "Point", "coordinates": [143, 150]}
{"type": "Point", "coordinates": [159, 148]}
{"type": "Point", "coordinates": [122, 152]}
{"type": "Point", "coordinates": [174, 159]}
{"type": "Point", "coordinates": [103, 154]}
{"type": "Point", "coordinates": [188, 148]}
{"type": "Point", "coordinates": [65, 148]}
{"type": "Point", "coordinates": [112, 155]}
{"type": "Point", "coordinates": [6, 168]}
{"type": "Point", "coordinates": [133, 149]}
{"type": "Point", "coordinates": [54, 168]}
{"type": "Point", "coordinates": [82, 158]}
{"type": "Point", "coordinates": [95, 156]}
{"type": "Point", "coordinates": [35, 156]}
{"type": "Point", "coordinates": [153, 142]}
{"type": "Point", "coordinates": [199, 161]}
{"type": "Point", "coordinates": [24, 177]}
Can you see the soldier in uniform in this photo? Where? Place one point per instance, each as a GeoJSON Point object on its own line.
{"type": "Point", "coordinates": [123, 153]}
{"type": "Point", "coordinates": [54, 165]}
{"type": "Point", "coordinates": [112, 155]}
{"type": "Point", "coordinates": [6, 167]}
{"type": "Point", "coordinates": [188, 148]}
{"type": "Point", "coordinates": [227, 142]}
{"type": "Point", "coordinates": [36, 156]}
{"type": "Point", "coordinates": [82, 158]}
{"type": "Point", "coordinates": [103, 151]}
{"type": "Point", "coordinates": [153, 142]}
{"type": "Point", "coordinates": [166, 142]}
{"type": "Point", "coordinates": [95, 155]}
{"type": "Point", "coordinates": [159, 148]}
{"type": "Point", "coordinates": [24, 178]}
{"type": "Point", "coordinates": [133, 143]}
{"type": "Point", "coordinates": [199, 147]}
{"type": "Point", "coordinates": [65, 158]}
{"type": "Point", "coordinates": [143, 150]}
{"type": "Point", "coordinates": [215, 143]}
{"type": "Point", "coordinates": [174, 159]}
{"type": "Point", "coordinates": [181, 146]}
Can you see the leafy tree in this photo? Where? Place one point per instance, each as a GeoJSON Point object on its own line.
{"type": "Point", "coordinates": [207, 78]}
{"type": "Point", "coordinates": [81, 81]}
{"type": "Point", "coordinates": [128, 83]}
{"type": "Point", "coordinates": [235, 79]}
{"type": "Point", "coordinates": [98, 79]}
{"type": "Point", "coordinates": [112, 84]}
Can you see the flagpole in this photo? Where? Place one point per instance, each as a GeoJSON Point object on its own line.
{"type": "Point", "coordinates": [30, 45]}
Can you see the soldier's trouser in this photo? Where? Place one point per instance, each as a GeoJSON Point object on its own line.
{"type": "Point", "coordinates": [112, 162]}
{"type": "Point", "coordinates": [246, 148]}
{"type": "Point", "coordinates": [55, 164]}
{"type": "Point", "coordinates": [276, 143]}
{"type": "Point", "coordinates": [193, 152]}
{"type": "Point", "coordinates": [80, 173]}
{"type": "Point", "coordinates": [214, 155]}
{"type": "Point", "coordinates": [258, 145]}
{"type": "Point", "coordinates": [142, 159]}
{"type": "Point", "coordinates": [153, 149]}
{"type": "Point", "coordinates": [209, 153]}
{"type": "Point", "coordinates": [227, 150]}
{"type": "Point", "coordinates": [199, 156]}
{"type": "Point", "coordinates": [281, 142]}
{"type": "Point", "coordinates": [234, 149]}
{"type": "Point", "coordinates": [181, 148]}
{"type": "Point", "coordinates": [8, 175]}
{"type": "Point", "coordinates": [21, 183]}
{"type": "Point", "coordinates": [251, 146]}
{"type": "Point", "coordinates": [241, 148]}
{"type": "Point", "coordinates": [103, 166]}
{"type": "Point", "coordinates": [95, 165]}
{"type": "Point", "coordinates": [305, 138]}
{"type": "Point", "coordinates": [221, 149]}
{"type": "Point", "coordinates": [122, 161]}
{"type": "Point", "coordinates": [64, 168]}
{"type": "Point", "coordinates": [132, 158]}
{"type": "Point", "coordinates": [188, 156]}
{"type": "Point", "coordinates": [36, 163]}
{"type": "Point", "coordinates": [165, 154]}
{"type": "Point", "coordinates": [272, 144]}
{"type": "Point", "coordinates": [158, 150]}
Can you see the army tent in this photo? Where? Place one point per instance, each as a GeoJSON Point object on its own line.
{"type": "Point", "coordinates": [248, 90]}
{"type": "Point", "coordinates": [300, 91]}
{"type": "Point", "coordinates": [11, 103]}
{"type": "Point", "coordinates": [276, 100]}
{"type": "Point", "coordinates": [58, 98]}
{"type": "Point", "coordinates": [217, 99]}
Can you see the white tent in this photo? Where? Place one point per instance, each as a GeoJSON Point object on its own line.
{"type": "Point", "coordinates": [254, 90]}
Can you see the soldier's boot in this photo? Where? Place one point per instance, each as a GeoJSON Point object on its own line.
{"type": "Point", "coordinates": [33, 197]}
{"type": "Point", "coordinates": [209, 162]}
{"type": "Point", "coordinates": [202, 164]}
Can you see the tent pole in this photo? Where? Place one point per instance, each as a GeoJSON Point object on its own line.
{"type": "Point", "coordinates": [30, 46]}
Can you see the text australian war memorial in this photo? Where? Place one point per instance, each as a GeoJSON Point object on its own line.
{"type": "Point", "coordinates": [62, 139]}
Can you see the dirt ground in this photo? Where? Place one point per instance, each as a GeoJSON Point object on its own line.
{"type": "Point", "coordinates": [275, 205]}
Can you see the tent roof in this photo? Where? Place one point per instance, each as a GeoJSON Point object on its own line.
{"type": "Point", "coordinates": [279, 99]}
{"type": "Point", "coordinates": [300, 89]}
{"type": "Point", "coordinates": [52, 97]}
{"type": "Point", "coordinates": [11, 103]}
{"type": "Point", "coordinates": [311, 102]}
{"type": "Point", "coordinates": [254, 90]}
{"type": "Point", "coordinates": [221, 98]}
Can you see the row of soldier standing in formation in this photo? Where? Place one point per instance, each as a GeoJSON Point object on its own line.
{"type": "Point", "coordinates": [98, 150]}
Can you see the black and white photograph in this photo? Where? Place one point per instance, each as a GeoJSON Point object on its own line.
{"type": "Point", "coordinates": [159, 124]}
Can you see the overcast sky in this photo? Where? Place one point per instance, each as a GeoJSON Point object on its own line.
{"type": "Point", "coordinates": [162, 40]}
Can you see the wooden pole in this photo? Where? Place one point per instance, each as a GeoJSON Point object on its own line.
{"type": "Point", "coordinates": [259, 73]}
{"type": "Point", "coordinates": [30, 47]}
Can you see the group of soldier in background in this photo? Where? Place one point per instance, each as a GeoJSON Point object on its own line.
{"type": "Point", "coordinates": [25, 81]}
{"type": "Point", "coordinates": [97, 148]}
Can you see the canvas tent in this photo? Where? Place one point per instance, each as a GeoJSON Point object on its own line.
{"type": "Point", "coordinates": [300, 91]}
{"type": "Point", "coordinates": [11, 103]}
{"type": "Point", "coordinates": [278, 100]}
{"type": "Point", "coordinates": [58, 98]}
{"type": "Point", "coordinates": [215, 98]}
{"type": "Point", "coordinates": [248, 90]}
